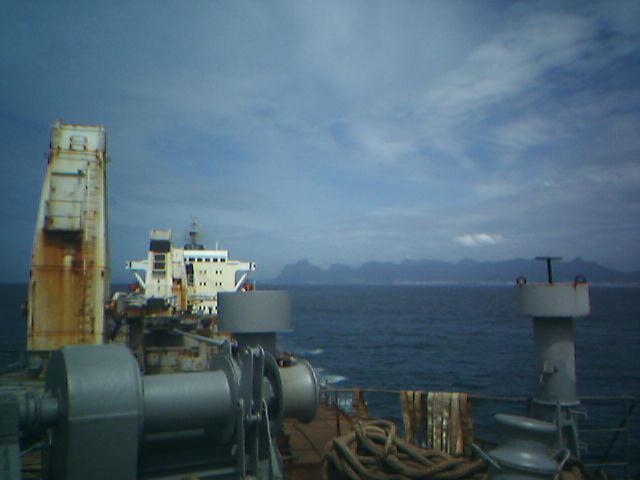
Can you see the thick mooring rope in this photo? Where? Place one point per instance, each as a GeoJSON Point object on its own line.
{"type": "Point", "coordinates": [374, 451]}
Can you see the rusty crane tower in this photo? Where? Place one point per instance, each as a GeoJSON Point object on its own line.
{"type": "Point", "coordinates": [69, 278]}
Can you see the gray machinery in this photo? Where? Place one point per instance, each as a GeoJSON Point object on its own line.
{"type": "Point", "coordinates": [255, 317]}
{"type": "Point", "coordinates": [536, 447]}
{"type": "Point", "coordinates": [526, 450]}
{"type": "Point", "coordinates": [554, 307]}
{"type": "Point", "coordinates": [105, 420]}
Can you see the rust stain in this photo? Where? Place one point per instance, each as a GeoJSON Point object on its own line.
{"type": "Point", "coordinates": [57, 292]}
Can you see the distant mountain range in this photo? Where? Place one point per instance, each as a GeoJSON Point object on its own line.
{"type": "Point", "coordinates": [424, 272]}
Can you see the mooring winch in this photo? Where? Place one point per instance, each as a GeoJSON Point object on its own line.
{"type": "Point", "coordinates": [105, 420]}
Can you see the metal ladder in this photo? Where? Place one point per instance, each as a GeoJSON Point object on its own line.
{"type": "Point", "coordinates": [90, 219]}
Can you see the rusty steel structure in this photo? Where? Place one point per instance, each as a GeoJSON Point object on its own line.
{"type": "Point", "coordinates": [69, 277]}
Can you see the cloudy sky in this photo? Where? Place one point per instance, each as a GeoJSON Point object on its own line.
{"type": "Point", "coordinates": [336, 131]}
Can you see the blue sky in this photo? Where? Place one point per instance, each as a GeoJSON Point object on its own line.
{"type": "Point", "coordinates": [336, 131]}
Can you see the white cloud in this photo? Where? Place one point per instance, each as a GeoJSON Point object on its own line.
{"type": "Point", "coordinates": [478, 239]}
{"type": "Point", "coordinates": [494, 95]}
{"type": "Point", "coordinates": [511, 62]}
{"type": "Point", "coordinates": [381, 144]}
{"type": "Point", "coordinates": [290, 125]}
{"type": "Point", "coordinates": [517, 135]}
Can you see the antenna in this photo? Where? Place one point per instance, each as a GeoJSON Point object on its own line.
{"type": "Point", "coordinates": [549, 270]}
{"type": "Point", "coordinates": [193, 232]}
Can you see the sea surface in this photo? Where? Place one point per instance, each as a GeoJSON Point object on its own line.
{"type": "Point", "coordinates": [449, 338]}
{"type": "Point", "coordinates": [467, 339]}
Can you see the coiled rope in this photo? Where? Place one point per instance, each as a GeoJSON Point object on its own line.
{"type": "Point", "coordinates": [374, 451]}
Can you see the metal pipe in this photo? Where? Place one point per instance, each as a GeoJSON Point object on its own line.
{"type": "Point", "coordinates": [218, 341]}
{"type": "Point", "coordinates": [140, 280]}
{"type": "Point", "coordinates": [556, 359]}
{"type": "Point", "coordinates": [240, 282]}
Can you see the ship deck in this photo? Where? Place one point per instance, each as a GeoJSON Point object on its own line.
{"type": "Point", "coordinates": [303, 445]}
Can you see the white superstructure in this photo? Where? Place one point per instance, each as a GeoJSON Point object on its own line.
{"type": "Point", "coordinates": [187, 279]}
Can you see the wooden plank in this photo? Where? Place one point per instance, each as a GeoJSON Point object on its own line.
{"type": "Point", "coordinates": [455, 445]}
{"type": "Point", "coordinates": [430, 426]}
{"type": "Point", "coordinates": [437, 421]}
{"type": "Point", "coordinates": [407, 421]}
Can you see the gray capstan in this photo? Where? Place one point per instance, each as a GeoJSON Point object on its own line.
{"type": "Point", "coordinates": [526, 450]}
{"type": "Point", "coordinates": [537, 446]}
{"type": "Point", "coordinates": [553, 307]}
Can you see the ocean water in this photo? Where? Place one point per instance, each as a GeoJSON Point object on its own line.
{"type": "Point", "coordinates": [449, 338]}
{"type": "Point", "coordinates": [468, 339]}
{"type": "Point", "coordinates": [12, 323]}
{"type": "Point", "coordinates": [457, 338]}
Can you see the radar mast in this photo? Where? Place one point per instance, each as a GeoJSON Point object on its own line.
{"type": "Point", "coordinates": [194, 233]}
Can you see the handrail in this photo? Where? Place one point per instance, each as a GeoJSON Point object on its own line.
{"type": "Point", "coordinates": [397, 392]}
{"type": "Point", "coordinates": [626, 425]}
{"type": "Point", "coordinates": [476, 395]}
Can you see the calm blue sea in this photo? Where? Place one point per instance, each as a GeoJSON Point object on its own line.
{"type": "Point", "coordinates": [437, 338]}
{"type": "Point", "coordinates": [467, 339]}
